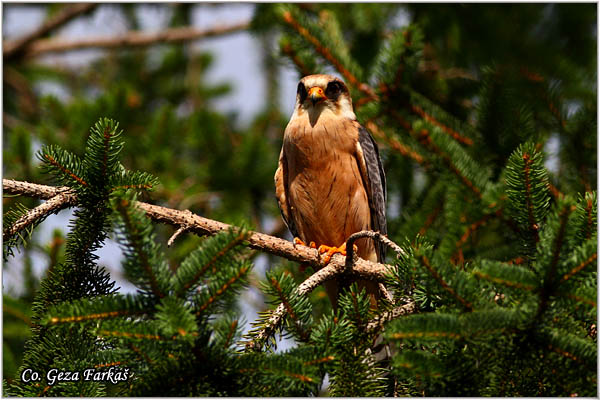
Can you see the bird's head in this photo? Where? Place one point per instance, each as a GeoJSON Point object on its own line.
{"type": "Point", "coordinates": [323, 94]}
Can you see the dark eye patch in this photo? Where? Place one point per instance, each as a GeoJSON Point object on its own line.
{"type": "Point", "coordinates": [334, 89]}
{"type": "Point", "coordinates": [302, 92]}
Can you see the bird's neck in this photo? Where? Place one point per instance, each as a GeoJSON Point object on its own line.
{"type": "Point", "coordinates": [320, 112]}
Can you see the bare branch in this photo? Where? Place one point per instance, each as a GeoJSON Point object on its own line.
{"type": "Point", "coordinates": [132, 39]}
{"type": "Point", "coordinates": [178, 232]}
{"type": "Point", "coordinates": [175, 235]}
{"type": "Point", "coordinates": [386, 293]}
{"type": "Point", "coordinates": [405, 309]}
{"type": "Point", "coordinates": [370, 234]}
{"type": "Point", "coordinates": [203, 226]}
{"type": "Point", "coordinates": [36, 190]}
{"type": "Point", "coordinates": [12, 48]}
{"type": "Point", "coordinates": [55, 204]}
{"type": "Point", "coordinates": [260, 241]}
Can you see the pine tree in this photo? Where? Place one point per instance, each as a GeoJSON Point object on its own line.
{"type": "Point", "coordinates": [493, 278]}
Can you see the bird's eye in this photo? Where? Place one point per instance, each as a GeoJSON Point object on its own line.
{"type": "Point", "coordinates": [334, 89]}
{"type": "Point", "coordinates": [302, 92]}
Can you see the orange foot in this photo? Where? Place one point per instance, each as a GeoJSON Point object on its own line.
{"type": "Point", "coordinates": [311, 244]}
{"type": "Point", "coordinates": [332, 250]}
{"type": "Point", "coordinates": [299, 241]}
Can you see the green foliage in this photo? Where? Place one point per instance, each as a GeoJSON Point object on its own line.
{"type": "Point", "coordinates": [79, 276]}
{"type": "Point", "coordinates": [512, 306]}
{"type": "Point", "coordinates": [354, 371]}
{"type": "Point", "coordinates": [139, 249]}
{"type": "Point", "coordinates": [281, 288]}
{"type": "Point", "coordinates": [400, 56]}
{"type": "Point", "coordinates": [527, 191]}
{"type": "Point", "coordinates": [325, 30]}
{"type": "Point", "coordinates": [292, 373]}
{"type": "Point", "coordinates": [162, 322]}
{"type": "Point", "coordinates": [19, 238]}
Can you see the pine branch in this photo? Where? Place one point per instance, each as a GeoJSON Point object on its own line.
{"type": "Point", "coordinates": [429, 111]}
{"type": "Point", "coordinates": [288, 373]}
{"type": "Point", "coordinates": [321, 49]}
{"type": "Point", "coordinates": [216, 295]}
{"type": "Point", "coordinates": [589, 216]}
{"type": "Point", "coordinates": [397, 57]}
{"type": "Point", "coordinates": [558, 242]}
{"type": "Point", "coordinates": [579, 267]}
{"type": "Point", "coordinates": [527, 191]}
{"type": "Point", "coordinates": [474, 227]}
{"type": "Point", "coordinates": [504, 274]}
{"type": "Point", "coordinates": [396, 145]}
{"type": "Point", "coordinates": [99, 308]}
{"type": "Point", "coordinates": [211, 256]}
{"type": "Point", "coordinates": [289, 309]}
{"type": "Point", "coordinates": [426, 327]}
{"type": "Point", "coordinates": [129, 335]}
{"type": "Point", "coordinates": [289, 51]}
{"type": "Point", "coordinates": [322, 275]}
{"type": "Point", "coordinates": [446, 129]}
{"type": "Point", "coordinates": [60, 164]}
{"type": "Point", "coordinates": [431, 219]}
{"type": "Point", "coordinates": [132, 39]}
{"type": "Point", "coordinates": [545, 94]}
{"type": "Point", "coordinates": [14, 48]}
{"type": "Point", "coordinates": [584, 295]}
{"type": "Point", "coordinates": [427, 116]}
{"type": "Point", "coordinates": [444, 284]}
{"type": "Point", "coordinates": [586, 216]}
{"type": "Point", "coordinates": [230, 333]}
{"type": "Point", "coordinates": [425, 138]}
{"type": "Point", "coordinates": [471, 229]}
{"type": "Point", "coordinates": [175, 319]}
{"type": "Point", "coordinates": [570, 346]}
{"type": "Point", "coordinates": [143, 260]}
{"type": "Point", "coordinates": [110, 364]}
{"type": "Point", "coordinates": [97, 316]}
{"type": "Point", "coordinates": [526, 172]}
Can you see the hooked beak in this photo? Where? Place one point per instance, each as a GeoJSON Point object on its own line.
{"type": "Point", "coordinates": [316, 94]}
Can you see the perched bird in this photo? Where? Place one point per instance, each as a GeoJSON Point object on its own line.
{"type": "Point", "coordinates": [330, 182]}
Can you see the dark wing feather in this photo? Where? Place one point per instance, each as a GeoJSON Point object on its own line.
{"type": "Point", "coordinates": [377, 192]}
{"type": "Point", "coordinates": [290, 223]}
{"type": "Point", "coordinates": [285, 208]}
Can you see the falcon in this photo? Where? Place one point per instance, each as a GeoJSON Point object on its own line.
{"type": "Point", "coordinates": [330, 182]}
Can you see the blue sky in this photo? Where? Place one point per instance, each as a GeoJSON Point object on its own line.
{"type": "Point", "coordinates": [237, 56]}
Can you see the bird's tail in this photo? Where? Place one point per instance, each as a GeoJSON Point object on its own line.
{"type": "Point", "coordinates": [372, 289]}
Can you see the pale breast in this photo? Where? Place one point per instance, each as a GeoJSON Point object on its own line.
{"type": "Point", "coordinates": [325, 185]}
